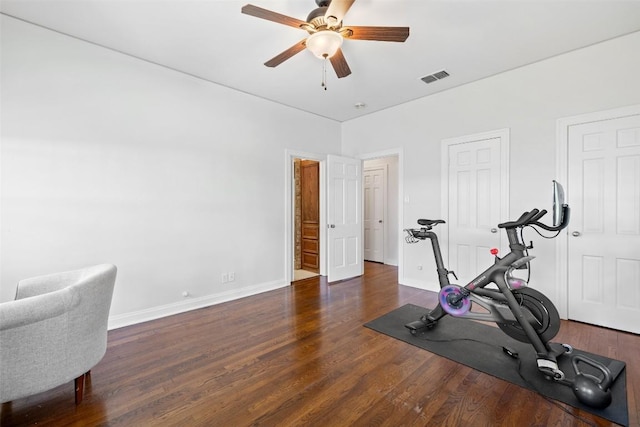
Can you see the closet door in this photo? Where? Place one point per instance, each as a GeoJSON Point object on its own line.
{"type": "Point", "coordinates": [604, 232]}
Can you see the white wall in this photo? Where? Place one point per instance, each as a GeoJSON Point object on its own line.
{"type": "Point", "coordinates": [528, 101]}
{"type": "Point", "coordinates": [106, 158]}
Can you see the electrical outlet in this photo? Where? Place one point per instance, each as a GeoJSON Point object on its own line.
{"type": "Point", "coordinates": [225, 278]}
{"type": "Point", "coordinates": [232, 276]}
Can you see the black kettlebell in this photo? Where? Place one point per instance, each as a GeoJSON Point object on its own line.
{"type": "Point", "coordinates": [591, 390]}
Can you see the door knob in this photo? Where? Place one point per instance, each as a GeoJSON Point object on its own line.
{"type": "Point", "coordinates": [331, 225]}
{"type": "Point", "coordinates": [494, 230]}
{"type": "Point", "coordinates": [380, 221]}
{"type": "Point", "coordinates": [575, 234]}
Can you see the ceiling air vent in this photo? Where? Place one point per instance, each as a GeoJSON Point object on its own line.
{"type": "Point", "coordinates": [435, 77]}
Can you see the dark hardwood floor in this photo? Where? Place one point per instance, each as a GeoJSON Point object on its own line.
{"type": "Point", "coordinates": [300, 356]}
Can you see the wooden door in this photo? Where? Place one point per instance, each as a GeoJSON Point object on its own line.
{"type": "Point", "coordinates": [310, 214]}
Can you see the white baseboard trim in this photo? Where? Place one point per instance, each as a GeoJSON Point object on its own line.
{"type": "Point", "coordinates": [127, 319]}
{"type": "Point", "coordinates": [427, 286]}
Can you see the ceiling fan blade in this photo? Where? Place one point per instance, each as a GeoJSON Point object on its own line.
{"type": "Point", "coordinates": [259, 12]}
{"type": "Point", "coordinates": [336, 11]}
{"type": "Point", "coordinates": [385, 34]}
{"type": "Point", "coordinates": [340, 65]}
{"type": "Point", "coordinates": [280, 58]}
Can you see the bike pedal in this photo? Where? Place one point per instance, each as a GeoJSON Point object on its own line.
{"type": "Point", "coordinates": [510, 353]}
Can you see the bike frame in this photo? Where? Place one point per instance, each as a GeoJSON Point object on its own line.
{"type": "Point", "coordinates": [497, 312]}
{"type": "Point", "coordinates": [503, 307]}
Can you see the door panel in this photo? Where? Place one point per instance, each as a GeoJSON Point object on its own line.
{"type": "Point", "coordinates": [474, 204]}
{"type": "Point", "coordinates": [344, 217]}
{"type": "Point", "coordinates": [374, 205]}
{"type": "Point", "coordinates": [604, 238]}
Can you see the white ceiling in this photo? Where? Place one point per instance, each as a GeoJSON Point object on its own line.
{"type": "Point", "coordinates": [212, 40]}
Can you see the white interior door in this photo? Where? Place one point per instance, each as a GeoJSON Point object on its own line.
{"type": "Point", "coordinates": [344, 218]}
{"type": "Point", "coordinates": [476, 200]}
{"type": "Point", "coordinates": [375, 180]}
{"type": "Point", "coordinates": [604, 232]}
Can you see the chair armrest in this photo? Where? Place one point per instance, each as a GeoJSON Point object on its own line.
{"type": "Point", "coordinates": [44, 284]}
{"type": "Point", "coordinates": [26, 311]}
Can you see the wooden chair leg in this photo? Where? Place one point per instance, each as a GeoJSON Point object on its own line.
{"type": "Point", "coordinates": [79, 383]}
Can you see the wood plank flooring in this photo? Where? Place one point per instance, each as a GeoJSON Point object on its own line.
{"type": "Point", "coordinates": [300, 356]}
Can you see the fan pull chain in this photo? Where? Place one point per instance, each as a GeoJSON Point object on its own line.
{"type": "Point", "coordinates": [324, 72]}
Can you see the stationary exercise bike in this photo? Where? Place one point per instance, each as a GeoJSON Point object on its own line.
{"type": "Point", "coordinates": [523, 313]}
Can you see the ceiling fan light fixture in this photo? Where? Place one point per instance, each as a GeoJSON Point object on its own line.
{"type": "Point", "coordinates": [324, 44]}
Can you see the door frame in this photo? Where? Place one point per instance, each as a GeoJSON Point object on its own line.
{"type": "Point", "coordinates": [399, 153]}
{"type": "Point", "coordinates": [503, 134]}
{"type": "Point", "coordinates": [290, 155]}
{"type": "Point", "coordinates": [562, 172]}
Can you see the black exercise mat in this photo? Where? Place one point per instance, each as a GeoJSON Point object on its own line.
{"type": "Point", "coordinates": [480, 347]}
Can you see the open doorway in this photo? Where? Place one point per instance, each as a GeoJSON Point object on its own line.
{"type": "Point", "coordinates": [341, 223]}
{"type": "Point", "coordinates": [290, 189]}
{"type": "Point", "coordinates": [306, 219]}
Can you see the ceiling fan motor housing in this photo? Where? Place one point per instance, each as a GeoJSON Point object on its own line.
{"type": "Point", "coordinates": [316, 17]}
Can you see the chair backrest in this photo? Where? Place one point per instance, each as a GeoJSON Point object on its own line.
{"type": "Point", "coordinates": [87, 322]}
{"type": "Point", "coordinates": [55, 330]}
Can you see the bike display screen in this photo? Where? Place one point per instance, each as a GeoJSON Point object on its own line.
{"type": "Point", "coordinates": [558, 203]}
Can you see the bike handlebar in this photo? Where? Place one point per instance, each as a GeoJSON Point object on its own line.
{"type": "Point", "coordinates": [542, 213]}
{"type": "Point", "coordinates": [565, 221]}
{"type": "Point", "coordinates": [525, 219]}
{"type": "Point", "coordinates": [533, 218]}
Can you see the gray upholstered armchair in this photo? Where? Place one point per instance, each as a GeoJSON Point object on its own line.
{"type": "Point", "coordinates": [54, 331]}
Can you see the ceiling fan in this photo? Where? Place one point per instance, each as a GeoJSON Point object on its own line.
{"type": "Point", "coordinates": [326, 32]}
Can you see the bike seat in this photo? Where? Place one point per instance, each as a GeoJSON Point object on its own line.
{"type": "Point", "coordinates": [430, 222]}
